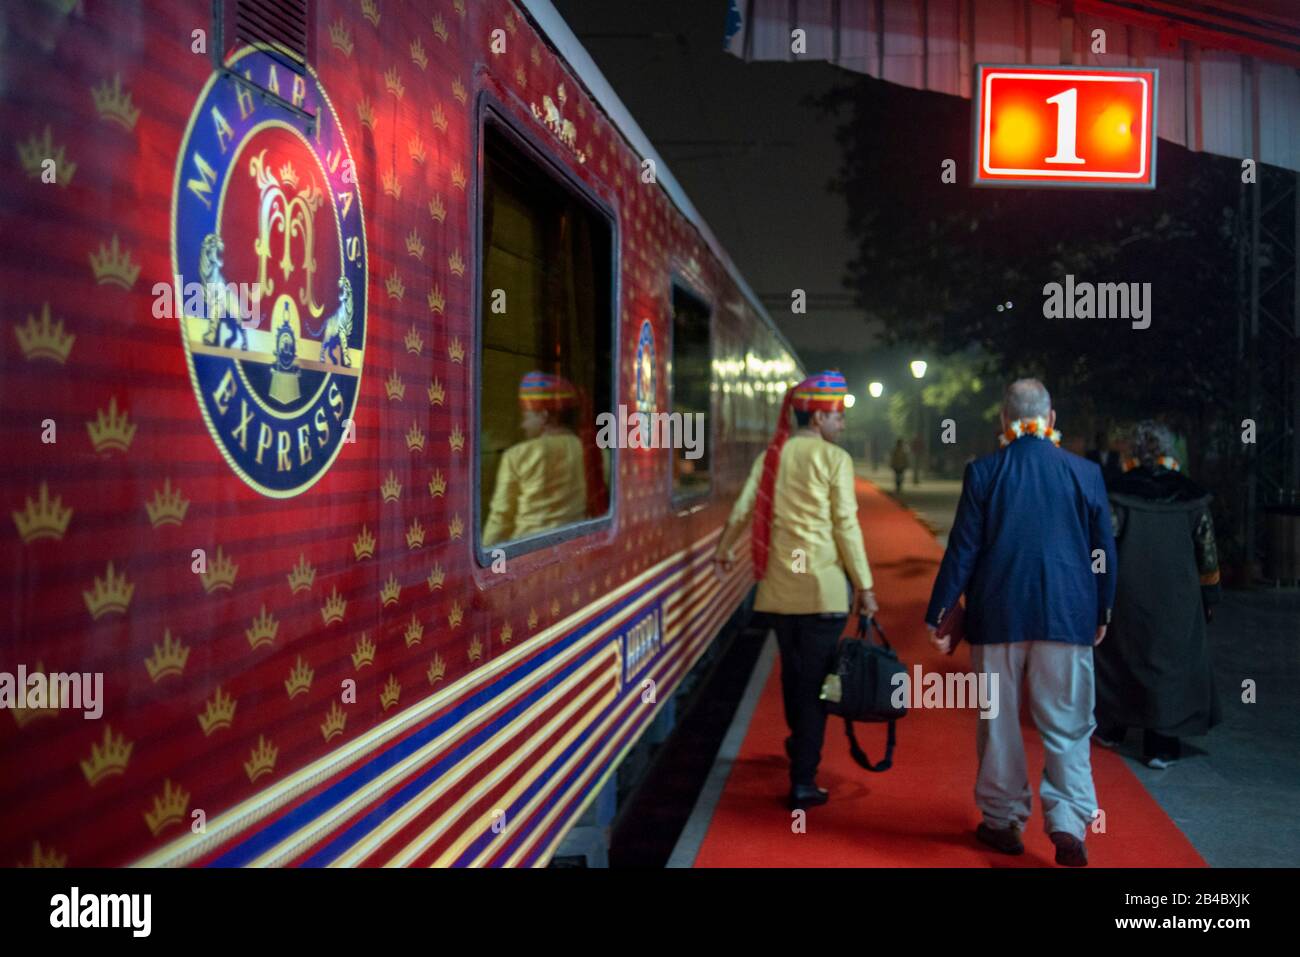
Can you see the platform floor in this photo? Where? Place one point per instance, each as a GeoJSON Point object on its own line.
{"type": "Point", "coordinates": [1231, 802]}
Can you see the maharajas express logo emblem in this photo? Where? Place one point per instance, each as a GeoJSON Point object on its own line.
{"type": "Point", "coordinates": [645, 368]}
{"type": "Point", "coordinates": [264, 207]}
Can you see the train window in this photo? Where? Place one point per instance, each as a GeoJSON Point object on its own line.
{"type": "Point", "coordinates": [545, 369]}
{"type": "Point", "coordinates": [692, 366]}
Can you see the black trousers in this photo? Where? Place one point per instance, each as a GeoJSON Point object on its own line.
{"type": "Point", "coordinates": [808, 644]}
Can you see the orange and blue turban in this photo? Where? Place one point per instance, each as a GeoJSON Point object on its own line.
{"type": "Point", "coordinates": [823, 392]}
{"type": "Point", "coordinates": [543, 392]}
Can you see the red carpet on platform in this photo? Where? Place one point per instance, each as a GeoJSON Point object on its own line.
{"type": "Point", "coordinates": [920, 813]}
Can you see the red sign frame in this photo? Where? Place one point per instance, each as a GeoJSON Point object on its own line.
{"type": "Point", "coordinates": [1108, 114]}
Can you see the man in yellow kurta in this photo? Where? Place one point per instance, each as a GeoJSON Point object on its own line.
{"type": "Point", "coordinates": [541, 482]}
{"type": "Point", "coordinates": [806, 540]}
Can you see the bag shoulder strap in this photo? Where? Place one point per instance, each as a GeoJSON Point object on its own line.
{"type": "Point", "coordinates": [867, 625]}
{"type": "Point", "coordinates": [860, 756]}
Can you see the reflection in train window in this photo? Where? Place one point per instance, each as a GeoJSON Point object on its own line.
{"type": "Point", "coordinates": [692, 365]}
{"type": "Point", "coordinates": [547, 330]}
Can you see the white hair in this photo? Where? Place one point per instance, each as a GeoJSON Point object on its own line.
{"type": "Point", "coordinates": [1026, 399]}
{"type": "Point", "coordinates": [1151, 440]}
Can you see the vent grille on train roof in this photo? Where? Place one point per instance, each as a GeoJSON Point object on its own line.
{"type": "Point", "coordinates": [283, 25]}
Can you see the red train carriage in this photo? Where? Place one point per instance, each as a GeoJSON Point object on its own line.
{"type": "Point", "coordinates": [275, 276]}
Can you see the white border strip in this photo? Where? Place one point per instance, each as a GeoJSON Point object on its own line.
{"type": "Point", "coordinates": [697, 825]}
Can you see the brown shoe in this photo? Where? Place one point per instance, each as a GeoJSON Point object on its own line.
{"type": "Point", "coordinates": [1006, 839]}
{"type": "Point", "coordinates": [1070, 851]}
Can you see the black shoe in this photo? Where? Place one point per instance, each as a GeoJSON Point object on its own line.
{"type": "Point", "coordinates": [807, 795]}
{"type": "Point", "coordinates": [1006, 839]}
{"type": "Point", "coordinates": [1070, 851]}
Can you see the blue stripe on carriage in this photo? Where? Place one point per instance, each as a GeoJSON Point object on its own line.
{"type": "Point", "coordinates": [256, 844]}
{"type": "Point", "coordinates": [411, 789]}
{"type": "Point", "coordinates": [690, 631]}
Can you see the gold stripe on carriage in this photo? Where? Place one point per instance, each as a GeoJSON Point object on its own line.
{"type": "Point", "coordinates": [223, 828]}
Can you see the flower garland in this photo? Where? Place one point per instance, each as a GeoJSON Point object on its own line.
{"type": "Point", "coordinates": [1165, 461]}
{"type": "Point", "coordinates": [1037, 427]}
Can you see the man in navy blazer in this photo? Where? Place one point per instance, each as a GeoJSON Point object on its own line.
{"type": "Point", "coordinates": [1033, 551]}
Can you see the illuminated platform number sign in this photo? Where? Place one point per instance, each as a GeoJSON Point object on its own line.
{"type": "Point", "coordinates": [1065, 126]}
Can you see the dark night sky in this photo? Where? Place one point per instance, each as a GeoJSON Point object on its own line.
{"type": "Point", "coordinates": [754, 158]}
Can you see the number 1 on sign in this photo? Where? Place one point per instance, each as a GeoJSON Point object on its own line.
{"type": "Point", "coordinates": [1067, 118]}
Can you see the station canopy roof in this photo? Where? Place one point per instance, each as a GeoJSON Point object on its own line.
{"type": "Point", "coordinates": [1229, 71]}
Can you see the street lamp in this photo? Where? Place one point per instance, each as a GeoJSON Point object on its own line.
{"type": "Point", "coordinates": [875, 390]}
{"type": "Point", "coordinates": [918, 373]}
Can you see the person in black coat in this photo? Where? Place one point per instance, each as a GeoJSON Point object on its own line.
{"type": "Point", "coordinates": [1154, 672]}
{"type": "Point", "coordinates": [1106, 457]}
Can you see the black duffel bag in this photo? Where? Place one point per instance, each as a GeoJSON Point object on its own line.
{"type": "Point", "coordinates": [862, 688]}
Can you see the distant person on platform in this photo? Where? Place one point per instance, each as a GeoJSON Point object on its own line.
{"type": "Point", "coordinates": [1105, 456]}
{"type": "Point", "coordinates": [1154, 673]}
{"type": "Point", "coordinates": [806, 539]}
{"type": "Point", "coordinates": [551, 478]}
{"type": "Point", "coordinates": [1023, 548]}
{"type": "Point", "coordinates": [899, 461]}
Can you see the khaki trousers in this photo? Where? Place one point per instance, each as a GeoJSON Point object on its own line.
{"type": "Point", "coordinates": [1058, 683]}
